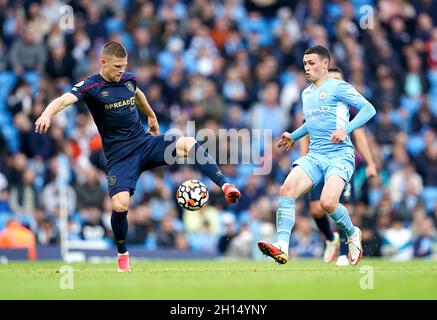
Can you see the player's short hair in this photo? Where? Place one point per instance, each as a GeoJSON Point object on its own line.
{"type": "Point", "coordinates": [336, 69]}
{"type": "Point", "coordinates": [113, 48]}
{"type": "Point", "coordinates": [319, 50]}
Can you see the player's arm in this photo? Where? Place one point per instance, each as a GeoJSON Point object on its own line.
{"type": "Point", "coordinates": [350, 96]}
{"type": "Point", "coordinates": [42, 124]}
{"type": "Point", "coordinates": [143, 105]}
{"type": "Point", "coordinates": [364, 149]}
{"type": "Point", "coordinates": [288, 139]}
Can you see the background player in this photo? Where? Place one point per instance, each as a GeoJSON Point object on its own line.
{"type": "Point", "coordinates": [347, 197]}
{"type": "Point", "coordinates": [331, 154]}
{"type": "Point", "coordinates": [112, 96]}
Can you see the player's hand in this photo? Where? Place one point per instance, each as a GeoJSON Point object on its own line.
{"type": "Point", "coordinates": [153, 126]}
{"type": "Point", "coordinates": [371, 172]}
{"type": "Point", "coordinates": [338, 136]}
{"type": "Point", "coordinates": [42, 124]}
{"type": "Point", "coordinates": [286, 142]}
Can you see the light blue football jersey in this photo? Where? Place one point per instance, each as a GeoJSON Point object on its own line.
{"type": "Point", "coordinates": [326, 109]}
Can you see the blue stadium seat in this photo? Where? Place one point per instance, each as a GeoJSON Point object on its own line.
{"type": "Point", "coordinates": [4, 217]}
{"type": "Point", "coordinates": [415, 144]}
{"type": "Point", "coordinates": [432, 77]}
{"type": "Point", "coordinates": [114, 25]}
{"type": "Point", "coordinates": [411, 105]}
{"type": "Point", "coordinates": [432, 98]}
{"type": "Point", "coordinates": [429, 196]}
{"type": "Point", "coordinates": [11, 135]}
{"type": "Point", "coordinates": [33, 78]}
{"type": "Point", "coordinates": [7, 80]}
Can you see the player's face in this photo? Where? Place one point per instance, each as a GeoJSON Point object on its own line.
{"type": "Point", "coordinates": [315, 66]}
{"type": "Point", "coordinates": [335, 74]}
{"type": "Point", "coordinates": [114, 67]}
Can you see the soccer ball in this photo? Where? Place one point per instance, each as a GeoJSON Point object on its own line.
{"type": "Point", "coordinates": [192, 195]}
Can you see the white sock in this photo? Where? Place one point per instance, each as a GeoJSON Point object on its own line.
{"type": "Point", "coordinates": [282, 245]}
{"type": "Point", "coordinates": [223, 186]}
{"type": "Point", "coordinates": [122, 254]}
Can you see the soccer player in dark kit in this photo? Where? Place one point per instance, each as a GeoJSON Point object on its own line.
{"type": "Point", "coordinates": [112, 97]}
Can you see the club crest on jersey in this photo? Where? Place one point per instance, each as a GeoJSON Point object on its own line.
{"type": "Point", "coordinates": [130, 86]}
{"type": "Point", "coordinates": [111, 181]}
{"type": "Point", "coordinates": [323, 94]}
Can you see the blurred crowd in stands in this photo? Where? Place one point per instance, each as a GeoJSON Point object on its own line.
{"type": "Point", "coordinates": [229, 64]}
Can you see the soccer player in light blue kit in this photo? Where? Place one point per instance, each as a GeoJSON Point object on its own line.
{"type": "Point", "coordinates": [331, 154]}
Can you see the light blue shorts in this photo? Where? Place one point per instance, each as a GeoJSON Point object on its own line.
{"type": "Point", "coordinates": [319, 167]}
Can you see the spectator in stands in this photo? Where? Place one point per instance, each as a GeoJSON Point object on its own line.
{"type": "Point", "coordinates": [423, 244]}
{"type": "Point", "coordinates": [167, 233]}
{"type": "Point", "coordinates": [93, 228]}
{"type": "Point", "coordinates": [397, 241]}
{"type": "Point", "coordinates": [32, 144]}
{"type": "Point", "coordinates": [414, 83]}
{"type": "Point", "coordinates": [51, 197]}
{"type": "Point", "coordinates": [372, 242]}
{"type": "Point", "coordinates": [230, 232]}
{"type": "Point", "coordinates": [430, 48]}
{"type": "Point", "coordinates": [424, 119]}
{"type": "Point", "coordinates": [20, 99]}
{"type": "Point", "coordinates": [46, 232]}
{"type": "Point", "coordinates": [304, 241]}
{"type": "Point", "coordinates": [241, 245]}
{"type": "Point", "coordinates": [204, 239]}
{"type": "Point", "coordinates": [16, 169]}
{"type": "Point", "coordinates": [89, 190]}
{"type": "Point", "coordinates": [213, 104]}
{"type": "Point", "coordinates": [38, 23]}
{"type": "Point", "coordinates": [95, 26]}
{"type": "Point", "coordinates": [24, 197]}
{"type": "Point", "coordinates": [27, 54]}
{"type": "Point", "coordinates": [16, 236]}
{"type": "Point", "coordinates": [267, 113]}
{"type": "Point", "coordinates": [405, 188]}
{"type": "Point", "coordinates": [426, 164]}
{"type": "Point", "coordinates": [60, 65]}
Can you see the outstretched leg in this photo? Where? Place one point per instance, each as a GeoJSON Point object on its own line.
{"type": "Point", "coordinates": [189, 147]}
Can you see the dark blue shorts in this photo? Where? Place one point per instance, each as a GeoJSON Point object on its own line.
{"type": "Point", "coordinates": [123, 174]}
{"type": "Point", "coordinates": [348, 195]}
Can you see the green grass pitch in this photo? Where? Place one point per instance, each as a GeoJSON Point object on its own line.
{"type": "Point", "coordinates": [221, 279]}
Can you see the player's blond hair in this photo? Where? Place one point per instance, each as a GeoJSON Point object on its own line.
{"type": "Point", "coordinates": [113, 48]}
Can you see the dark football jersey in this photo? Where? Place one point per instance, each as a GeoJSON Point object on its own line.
{"type": "Point", "coordinates": [112, 105]}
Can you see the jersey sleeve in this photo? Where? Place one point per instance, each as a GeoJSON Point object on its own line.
{"type": "Point", "coordinates": [300, 132]}
{"type": "Point", "coordinates": [348, 94]}
{"type": "Point", "coordinates": [83, 89]}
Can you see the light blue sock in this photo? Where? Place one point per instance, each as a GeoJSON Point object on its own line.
{"type": "Point", "coordinates": [342, 219]}
{"type": "Point", "coordinates": [285, 216]}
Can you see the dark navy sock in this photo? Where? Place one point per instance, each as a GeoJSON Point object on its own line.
{"type": "Point", "coordinates": [119, 228]}
{"type": "Point", "coordinates": [324, 226]}
{"type": "Point", "coordinates": [206, 164]}
{"type": "Point", "coordinates": [343, 245]}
